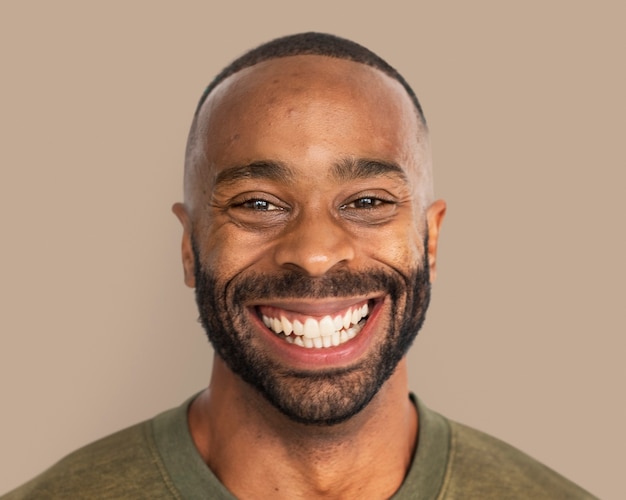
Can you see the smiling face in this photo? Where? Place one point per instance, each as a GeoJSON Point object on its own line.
{"type": "Point", "coordinates": [307, 187]}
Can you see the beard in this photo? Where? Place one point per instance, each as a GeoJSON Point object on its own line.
{"type": "Point", "coordinates": [320, 397]}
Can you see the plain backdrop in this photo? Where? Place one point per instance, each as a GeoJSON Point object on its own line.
{"type": "Point", "coordinates": [526, 106]}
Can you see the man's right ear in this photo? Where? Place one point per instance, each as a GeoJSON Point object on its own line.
{"type": "Point", "coordinates": [189, 261]}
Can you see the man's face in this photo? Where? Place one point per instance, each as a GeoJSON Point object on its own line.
{"type": "Point", "coordinates": [309, 231]}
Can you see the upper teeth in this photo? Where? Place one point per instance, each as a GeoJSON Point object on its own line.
{"type": "Point", "coordinates": [325, 332]}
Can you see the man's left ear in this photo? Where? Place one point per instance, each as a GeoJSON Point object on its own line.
{"type": "Point", "coordinates": [434, 218]}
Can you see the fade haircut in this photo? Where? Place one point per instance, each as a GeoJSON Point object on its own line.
{"type": "Point", "coordinates": [318, 44]}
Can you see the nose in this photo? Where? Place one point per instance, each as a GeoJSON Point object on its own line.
{"type": "Point", "coordinates": [314, 245]}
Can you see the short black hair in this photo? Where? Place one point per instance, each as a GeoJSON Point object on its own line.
{"type": "Point", "coordinates": [311, 43]}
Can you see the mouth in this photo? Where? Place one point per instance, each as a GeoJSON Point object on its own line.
{"type": "Point", "coordinates": [317, 331]}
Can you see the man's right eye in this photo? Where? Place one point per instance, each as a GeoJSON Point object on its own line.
{"type": "Point", "coordinates": [259, 205]}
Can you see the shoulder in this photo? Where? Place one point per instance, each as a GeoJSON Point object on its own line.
{"type": "Point", "coordinates": [481, 466]}
{"type": "Point", "coordinates": [123, 465]}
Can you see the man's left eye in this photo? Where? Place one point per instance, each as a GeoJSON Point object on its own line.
{"type": "Point", "coordinates": [365, 202]}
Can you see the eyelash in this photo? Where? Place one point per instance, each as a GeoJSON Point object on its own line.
{"type": "Point", "coordinates": [261, 210]}
{"type": "Point", "coordinates": [252, 203]}
{"type": "Point", "coordinates": [375, 201]}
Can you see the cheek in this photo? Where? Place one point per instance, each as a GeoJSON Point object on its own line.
{"type": "Point", "coordinates": [400, 246]}
{"type": "Point", "coordinates": [228, 250]}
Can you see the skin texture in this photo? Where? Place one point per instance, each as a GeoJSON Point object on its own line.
{"type": "Point", "coordinates": [279, 180]}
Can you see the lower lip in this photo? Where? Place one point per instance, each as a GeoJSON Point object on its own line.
{"type": "Point", "coordinates": [303, 358]}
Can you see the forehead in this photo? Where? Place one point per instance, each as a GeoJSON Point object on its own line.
{"type": "Point", "coordinates": [300, 110]}
{"type": "Point", "coordinates": [307, 77]}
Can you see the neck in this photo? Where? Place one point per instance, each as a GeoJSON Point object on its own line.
{"type": "Point", "coordinates": [257, 452]}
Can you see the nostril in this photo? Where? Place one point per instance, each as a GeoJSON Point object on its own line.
{"type": "Point", "coordinates": [315, 268]}
{"type": "Point", "coordinates": [314, 255]}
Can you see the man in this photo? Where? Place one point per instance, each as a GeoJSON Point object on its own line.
{"type": "Point", "coordinates": [310, 236]}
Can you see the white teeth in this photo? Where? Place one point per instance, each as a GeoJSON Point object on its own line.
{"type": "Point", "coordinates": [311, 328]}
{"type": "Point", "coordinates": [326, 332]}
{"type": "Point", "coordinates": [354, 330]}
{"type": "Point", "coordinates": [327, 327]}
{"type": "Point", "coordinates": [356, 316]}
{"type": "Point", "coordinates": [298, 328]}
{"type": "Point", "coordinates": [277, 325]}
{"type": "Point", "coordinates": [347, 318]}
{"type": "Point", "coordinates": [287, 326]}
{"type": "Point", "coordinates": [338, 323]}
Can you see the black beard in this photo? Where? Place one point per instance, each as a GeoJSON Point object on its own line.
{"type": "Point", "coordinates": [323, 397]}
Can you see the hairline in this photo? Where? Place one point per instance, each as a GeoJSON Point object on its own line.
{"type": "Point", "coordinates": [263, 53]}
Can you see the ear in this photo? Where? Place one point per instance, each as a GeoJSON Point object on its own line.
{"type": "Point", "coordinates": [434, 217]}
{"type": "Point", "coordinates": [187, 251]}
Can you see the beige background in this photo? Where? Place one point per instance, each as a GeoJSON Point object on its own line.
{"type": "Point", "coordinates": [525, 101]}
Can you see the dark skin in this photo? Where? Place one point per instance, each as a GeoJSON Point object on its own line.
{"type": "Point", "coordinates": [307, 116]}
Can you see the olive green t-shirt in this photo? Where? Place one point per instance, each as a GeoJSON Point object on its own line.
{"type": "Point", "coordinates": [157, 459]}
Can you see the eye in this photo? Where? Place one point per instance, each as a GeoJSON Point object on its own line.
{"type": "Point", "coordinates": [366, 202]}
{"type": "Point", "coordinates": [258, 210]}
{"type": "Point", "coordinates": [260, 205]}
{"type": "Point", "coordinates": [370, 208]}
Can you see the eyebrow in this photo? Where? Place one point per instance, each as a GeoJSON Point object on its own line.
{"type": "Point", "coordinates": [363, 168]}
{"type": "Point", "coordinates": [266, 169]}
{"type": "Point", "coordinates": [345, 170]}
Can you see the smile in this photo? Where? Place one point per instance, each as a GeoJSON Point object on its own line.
{"type": "Point", "coordinates": [311, 332]}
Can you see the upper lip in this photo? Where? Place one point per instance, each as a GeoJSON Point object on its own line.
{"type": "Point", "coordinates": [316, 307]}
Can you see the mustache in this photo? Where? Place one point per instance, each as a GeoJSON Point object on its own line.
{"type": "Point", "coordinates": [294, 284]}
